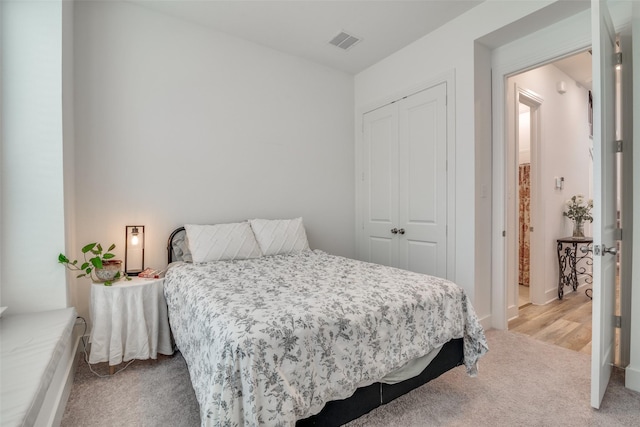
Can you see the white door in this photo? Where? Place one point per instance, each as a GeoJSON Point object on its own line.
{"type": "Point", "coordinates": [404, 191]}
{"type": "Point", "coordinates": [423, 182]}
{"type": "Point", "coordinates": [605, 216]}
{"type": "Point", "coordinates": [380, 186]}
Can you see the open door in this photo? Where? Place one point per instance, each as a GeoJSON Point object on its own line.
{"type": "Point", "coordinates": [604, 203]}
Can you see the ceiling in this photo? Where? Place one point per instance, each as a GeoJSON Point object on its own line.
{"type": "Point", "coordinates": [304, 28]}
{"type": "Point", "coordinates": [578, 67]}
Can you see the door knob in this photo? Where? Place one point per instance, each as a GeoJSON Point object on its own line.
{"type": "Point", "coordinates": [394, 231]}
{"type": "Point", "coordinates": [401, 231]}
{"type": "Point", "coordinates": [585, 249]}
{"type": "Point", "coordinates": [600, 251]}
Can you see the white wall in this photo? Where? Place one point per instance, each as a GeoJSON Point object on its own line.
{"type": "Point", "coordinates": [32, 149]}
{"type": "Point", "coordinates": [524, 137]}
{"type": "Point", "coordinates": [452, 47]}
{"type": "Point", "coordinates": [564, 152]}
{"type": "Point", "coordinates": [483, 188]}
{"type": "Point", "coordinates": [176, 123]}
{"type": "Point", "coordinates": [68, 132]}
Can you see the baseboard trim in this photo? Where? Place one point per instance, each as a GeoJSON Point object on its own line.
{"type": "Point", "coordinates": [632, 378]}
{"type": "Point", "coordinates": [552, 294]}
{"type": "Point", "coordinates": [486, 322]}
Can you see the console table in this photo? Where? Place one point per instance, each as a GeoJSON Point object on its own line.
{"type": "Point", "coordinates": [570, 256]}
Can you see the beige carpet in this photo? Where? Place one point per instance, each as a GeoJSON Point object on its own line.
{"type": "Point", "coordinates": [521, 382]}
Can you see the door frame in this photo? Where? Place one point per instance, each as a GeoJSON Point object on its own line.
{"type": "Point", "coordinates": [529, 52]}
{"type": "Point", "coordinates": [447, 77]}
{"type": "Point", "coordinates": [534, 102]}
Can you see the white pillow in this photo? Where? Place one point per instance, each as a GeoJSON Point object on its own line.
{"type": "Point", "coordinates": [281, 236]}
{"type": "Point", "coordinates": [222, 242]}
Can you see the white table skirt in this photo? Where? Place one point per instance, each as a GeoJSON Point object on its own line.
{"type": "Point", "coordinates": [130, 321]}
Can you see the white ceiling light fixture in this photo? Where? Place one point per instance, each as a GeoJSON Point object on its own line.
{"type": "Point", "coordinates": [344, 40]}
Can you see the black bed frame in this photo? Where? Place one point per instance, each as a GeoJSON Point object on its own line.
{"type": "Point", "coordinates": [365, 399]}
{"type": "Point", "coordinates": [170, 254]}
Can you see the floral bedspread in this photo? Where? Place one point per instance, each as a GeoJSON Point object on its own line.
{"type": "Point", "coordinates": [270, 340]}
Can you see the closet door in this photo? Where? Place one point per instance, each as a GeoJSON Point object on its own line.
{"type": "Point", "coordinates": [380, 186]}
{"type": "Point", "coordinates": [423, 181]}
{"type": "Point", "coordinates": [404, 183]}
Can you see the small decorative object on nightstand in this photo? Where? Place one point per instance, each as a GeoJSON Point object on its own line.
{"type": "Point", "coordinates": [134, 250]}
{"type": "Point", "coordinates": [130, 321]}
{"type": "Point", "coordinates": [107, 270]}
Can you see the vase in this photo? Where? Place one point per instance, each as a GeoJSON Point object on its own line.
{"type": "Point", "coordinates": [109, 270]}
{"type": "Point", "coordinates": [578, 229]}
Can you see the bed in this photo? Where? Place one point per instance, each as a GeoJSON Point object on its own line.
{"type": "Point", "coordinates": [293, 336]}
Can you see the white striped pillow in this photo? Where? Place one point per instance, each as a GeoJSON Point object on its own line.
{"type": "Point", "coordinates": [222, 242]}
{"type": "Point", "coordinates": [282, 236]}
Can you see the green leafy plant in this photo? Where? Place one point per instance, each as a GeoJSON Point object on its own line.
{"type": "Point", "coordinates": [97, 261]}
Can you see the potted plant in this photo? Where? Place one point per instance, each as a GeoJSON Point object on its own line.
{"type": "Point", "coordinates": [101, 266]}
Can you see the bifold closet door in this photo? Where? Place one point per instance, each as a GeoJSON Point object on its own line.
{"type": "Point", "coordinates": [380, 179]}
{"type": "Point", "coordinates": [404, 178]}
{"type": "Point", "coordinates": [423, 181]}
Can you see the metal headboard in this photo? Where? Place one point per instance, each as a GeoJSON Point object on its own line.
{"type": "Point", "coordinates": [171, 256]}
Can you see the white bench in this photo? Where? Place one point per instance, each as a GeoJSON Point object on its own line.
{"type": "Point", "coordinates": [37, 365]}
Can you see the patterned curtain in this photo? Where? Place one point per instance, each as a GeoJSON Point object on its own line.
{"type": "Point", "coordinates": [525, 222]}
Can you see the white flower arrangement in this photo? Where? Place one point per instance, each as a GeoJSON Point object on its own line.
{"type": "Point", "coordinates": [577, 210]}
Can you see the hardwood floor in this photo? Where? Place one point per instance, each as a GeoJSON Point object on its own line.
{"type": "Point", "coordinates": [565, 322]}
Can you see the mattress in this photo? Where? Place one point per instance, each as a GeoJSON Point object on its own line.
{"type": "Point", "coordinates": [31, 346]}
{"type": "Point", "coordinates": [271, 340]}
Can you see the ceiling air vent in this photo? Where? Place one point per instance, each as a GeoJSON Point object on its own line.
{"type": "Point", "coordinates": [344, 40]}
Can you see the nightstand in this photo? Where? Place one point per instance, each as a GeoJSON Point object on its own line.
{"type": "Point", "coordinates": [130, 321]}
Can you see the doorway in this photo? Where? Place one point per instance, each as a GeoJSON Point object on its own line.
{"type": "Point", "coordinates": [556, 41]}
{"type": "Point", "coordinates": [527, 144]}
{"type": "Point", "coordinates": [549, 160]}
